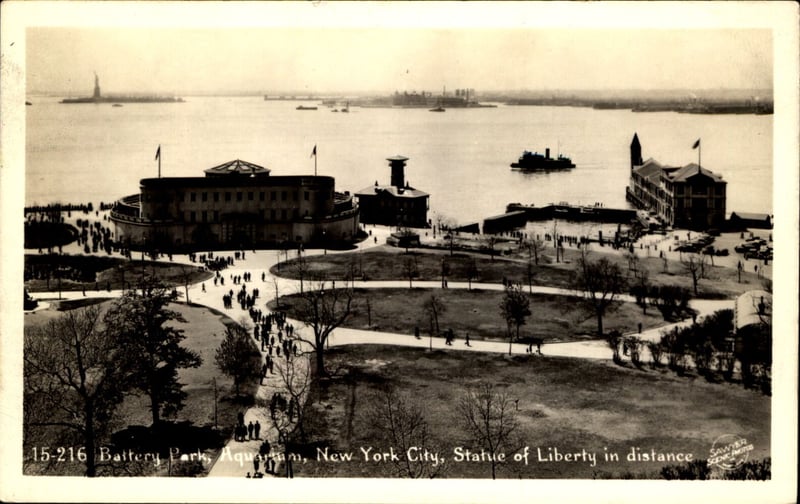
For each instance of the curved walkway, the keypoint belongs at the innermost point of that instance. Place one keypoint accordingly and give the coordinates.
(235, 459)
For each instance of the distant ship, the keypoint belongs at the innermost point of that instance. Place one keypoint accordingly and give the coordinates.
(98, 98)
(303, 107)
(533, 161)
(437, 109)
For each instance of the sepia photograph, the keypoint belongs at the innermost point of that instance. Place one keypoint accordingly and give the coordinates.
(399, 251)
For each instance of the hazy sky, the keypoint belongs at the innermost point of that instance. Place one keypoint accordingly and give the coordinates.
(360, 58)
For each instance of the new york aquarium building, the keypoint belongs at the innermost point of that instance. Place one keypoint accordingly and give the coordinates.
(236, 205)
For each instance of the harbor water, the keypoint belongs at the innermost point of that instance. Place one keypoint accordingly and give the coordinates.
(96, 152)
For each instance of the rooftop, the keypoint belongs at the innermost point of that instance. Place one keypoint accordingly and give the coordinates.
(406, 192)
(237, 167)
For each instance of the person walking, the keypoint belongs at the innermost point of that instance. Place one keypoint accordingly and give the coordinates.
(257, 429)
(250, 428)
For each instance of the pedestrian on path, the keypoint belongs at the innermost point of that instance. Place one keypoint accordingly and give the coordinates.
(466, 339)
(257, 429)
(250, 428)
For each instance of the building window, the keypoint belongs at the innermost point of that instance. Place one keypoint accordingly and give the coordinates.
(249, 195)
(227, 196)
(295, 195)
(305, 195)
(239, 196)
(204, 196)
(205, 215)
(273, 196)
(216, 215)
(261, 196)
(283, 195)
(216, 197)
(283, 214)
(261, 213)
(192, 197)
(192, 216)
(272, 214)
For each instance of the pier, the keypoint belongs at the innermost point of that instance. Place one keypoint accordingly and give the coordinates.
(573, 213)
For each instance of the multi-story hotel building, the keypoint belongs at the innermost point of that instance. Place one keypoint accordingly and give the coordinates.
(236, 205)
(680, 196)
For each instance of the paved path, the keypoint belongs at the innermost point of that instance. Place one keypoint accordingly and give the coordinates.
(236, 457)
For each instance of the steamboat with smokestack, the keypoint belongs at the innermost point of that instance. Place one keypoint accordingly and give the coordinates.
(533, 161)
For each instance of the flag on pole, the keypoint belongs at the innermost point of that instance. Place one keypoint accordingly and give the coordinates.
(314, 152)
(696, 144)
(158, 152)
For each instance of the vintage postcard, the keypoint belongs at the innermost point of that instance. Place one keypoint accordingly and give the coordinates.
(399, 252)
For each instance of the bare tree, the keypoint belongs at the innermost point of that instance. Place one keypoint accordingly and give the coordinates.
(555, 238)
(410, 269)
(72, 379)
(695, 266)
(515, 308)
(186, 275)
(445, 223)
(434, 307)
(401, 424)
(489, 242)
(323, 311)
(294, 373)
(488, 416)
(300, 269)
(535, 247)
(471, 271)
(600, 282)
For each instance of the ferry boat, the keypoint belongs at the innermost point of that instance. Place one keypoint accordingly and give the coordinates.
(303, 107)
(533, 161)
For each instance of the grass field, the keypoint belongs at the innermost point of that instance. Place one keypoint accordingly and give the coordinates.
(565, 404)
(554, 318)
(388, 263)
(90, 273)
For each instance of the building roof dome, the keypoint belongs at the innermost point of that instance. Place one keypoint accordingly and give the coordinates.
(237, 168)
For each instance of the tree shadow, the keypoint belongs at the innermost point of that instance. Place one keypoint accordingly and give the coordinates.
(166, 436)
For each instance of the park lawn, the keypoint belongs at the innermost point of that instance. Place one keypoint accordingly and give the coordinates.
(193, 426)
(389, 263)
(563, 403)
(107, 273)
(477, 312)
